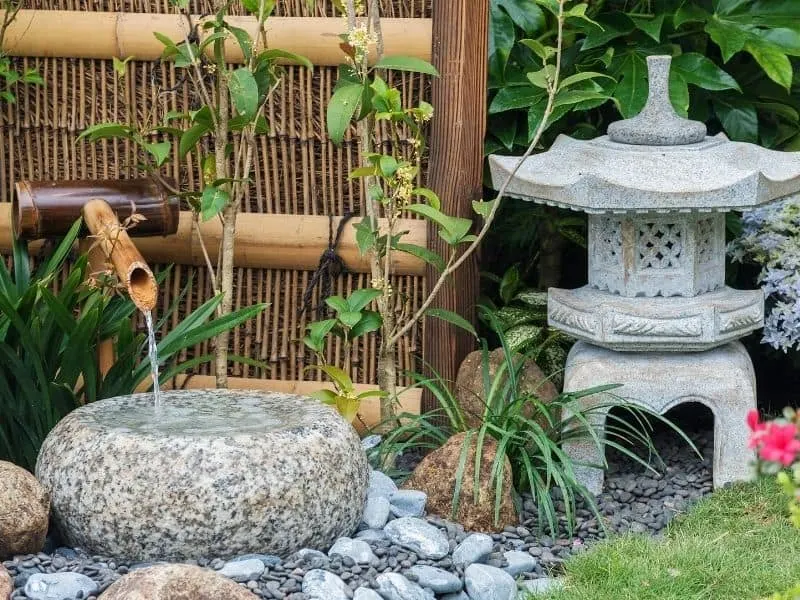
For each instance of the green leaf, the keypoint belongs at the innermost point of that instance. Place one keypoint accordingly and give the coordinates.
(359, 299)
(607, 27)
(455, 228)
(339, 377)
(650, 25)
(429, 195)
(728, 7)
(483, 208)
(452, 318)
(365, 237)
(244, 40)
(349, 318)
(190, 138)
(105, 131)
(679, 93)
(273, 55)
(539, 49)
(543, 78)
(341, 108)
(214, 199)
(702, 72)
(407, 63)
(774, 62)
(688, 12)
(370, 321)
(729, 37)
(244, 92)
(738, 118)
(631, 89)
(121, 66)
(159, 151)
(579, 77)
(422, 253)
(388, 165)
(502, 36)
(525, 14)
(317, 331)
(337, 303)
(571, 97)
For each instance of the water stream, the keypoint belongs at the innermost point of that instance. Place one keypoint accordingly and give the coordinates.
(152, 352)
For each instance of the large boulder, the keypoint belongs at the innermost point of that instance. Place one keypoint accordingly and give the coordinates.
(24, 512)
(6, 584)
(470, 392)
(436, 476)
(175, 582)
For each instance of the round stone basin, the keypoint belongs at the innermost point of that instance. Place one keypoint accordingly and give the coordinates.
(212, 473)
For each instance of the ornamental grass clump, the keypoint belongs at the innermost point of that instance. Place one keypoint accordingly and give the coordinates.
(529, 433)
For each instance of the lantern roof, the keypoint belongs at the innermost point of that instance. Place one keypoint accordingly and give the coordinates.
(654, 162)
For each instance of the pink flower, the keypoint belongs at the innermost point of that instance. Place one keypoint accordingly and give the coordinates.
(778, 443)
(757, 428)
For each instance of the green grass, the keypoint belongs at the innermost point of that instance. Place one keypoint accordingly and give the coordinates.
(737, 544)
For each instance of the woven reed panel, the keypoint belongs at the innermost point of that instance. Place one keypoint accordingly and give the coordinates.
(298, 171)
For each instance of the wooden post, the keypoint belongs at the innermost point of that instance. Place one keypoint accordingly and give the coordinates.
(460, 50)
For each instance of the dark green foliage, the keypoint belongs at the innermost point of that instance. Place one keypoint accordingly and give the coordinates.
(734, 67)
(49, 338)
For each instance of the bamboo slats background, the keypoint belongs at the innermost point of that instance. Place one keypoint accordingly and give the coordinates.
(298, 171)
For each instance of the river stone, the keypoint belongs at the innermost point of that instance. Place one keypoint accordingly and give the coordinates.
(436, 476)
(376, 511)
(322, 585)
(393, 586)
(469, 384)
(24, 511)
(175, 582)
(439, 580)
(475, 548)
(363, 593)
(6, 584)
(519, 562)
(408, 503)
(418, 536)
(59, 586)
(243, 570)
(371, 535)
(213, 473)
(358, 550)
(381, 484)
(484, 582)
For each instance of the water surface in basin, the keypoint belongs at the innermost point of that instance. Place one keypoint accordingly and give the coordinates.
(204, 413)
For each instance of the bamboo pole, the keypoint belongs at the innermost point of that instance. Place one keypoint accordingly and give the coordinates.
(97, 264)
(456, 165)
(103, 35)
(116, 244)
(263, 241)
(410, 399)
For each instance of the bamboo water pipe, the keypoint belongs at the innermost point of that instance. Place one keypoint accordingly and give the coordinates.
(49, 209)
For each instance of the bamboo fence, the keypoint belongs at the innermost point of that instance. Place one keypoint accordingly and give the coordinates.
(300, 179)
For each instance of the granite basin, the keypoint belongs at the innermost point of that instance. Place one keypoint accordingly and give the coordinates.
(210, 473)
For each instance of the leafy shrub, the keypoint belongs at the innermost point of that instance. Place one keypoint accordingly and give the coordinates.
(731, 68)
(529, 433)
(49, 337)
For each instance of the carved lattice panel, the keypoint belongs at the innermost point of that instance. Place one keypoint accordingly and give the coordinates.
(609, 242)
(706, 248)
(659, 245)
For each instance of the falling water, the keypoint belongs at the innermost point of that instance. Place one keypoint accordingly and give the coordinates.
(152, 352)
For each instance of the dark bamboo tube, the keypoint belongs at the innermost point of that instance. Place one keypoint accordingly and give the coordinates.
(48, 209)
(116, 244)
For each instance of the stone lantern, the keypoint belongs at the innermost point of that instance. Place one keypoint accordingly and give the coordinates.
(656, 315)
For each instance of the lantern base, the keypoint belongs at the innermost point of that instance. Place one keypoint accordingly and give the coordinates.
(721, 379)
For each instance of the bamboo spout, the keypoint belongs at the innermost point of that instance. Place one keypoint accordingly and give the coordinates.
(116, 244)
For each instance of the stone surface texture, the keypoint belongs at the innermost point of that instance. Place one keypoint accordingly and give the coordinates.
(175, 582)
(418, 536)
(59, 586)
(476, 547)
(436, 476)
(394, 586)
(322, 585)
(657, 124)
(484, 582)
(214, 473)
(721, 379)
(24, 511)
(663, 324)
(470, 391)
(6, 584)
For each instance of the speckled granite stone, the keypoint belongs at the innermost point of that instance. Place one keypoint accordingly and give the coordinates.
(215, 473)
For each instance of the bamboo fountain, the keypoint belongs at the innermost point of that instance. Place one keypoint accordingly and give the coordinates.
(212, 473)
